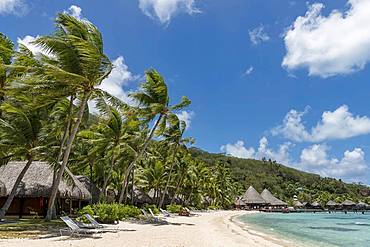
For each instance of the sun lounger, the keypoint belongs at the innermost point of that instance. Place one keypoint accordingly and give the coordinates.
(165, 213)
(150, 217)
(96, 224)
(73, 228)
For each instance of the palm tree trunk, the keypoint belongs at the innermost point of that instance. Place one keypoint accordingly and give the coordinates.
(66, 154)
(11, 196)
(177, 188)
(61, 148)
(138, 156)
(106, 178)
(169, 178)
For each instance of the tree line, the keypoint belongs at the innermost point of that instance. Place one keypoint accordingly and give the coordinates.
(45, 115)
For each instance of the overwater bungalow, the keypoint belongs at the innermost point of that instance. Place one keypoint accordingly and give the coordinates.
(297, 204)
(332, 205)
(272, 201)
(33, 192)
(252, 199)
(348, 205)
(362, 206)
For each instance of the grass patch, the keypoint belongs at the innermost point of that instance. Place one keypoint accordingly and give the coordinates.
(29, 228)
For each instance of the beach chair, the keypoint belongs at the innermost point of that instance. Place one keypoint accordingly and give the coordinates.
(97, 225)
(151, 217)
(73, 228)
(165, 213)
(190, 213)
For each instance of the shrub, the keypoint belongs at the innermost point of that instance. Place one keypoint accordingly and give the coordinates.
(152, 207)
(174, 208)
(211, 207)
(110, 213)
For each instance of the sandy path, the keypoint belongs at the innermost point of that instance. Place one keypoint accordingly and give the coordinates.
(214, 229)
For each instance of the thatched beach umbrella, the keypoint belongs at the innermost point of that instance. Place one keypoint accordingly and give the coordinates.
(37, 181)
(239, 202)
(252, 197)
(272, 200)
(315, 204)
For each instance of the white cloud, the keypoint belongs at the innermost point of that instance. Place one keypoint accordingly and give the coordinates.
(16, 7)
(118, 78)
(239, 150)
(164, 10)
(258, 35)
(339, 124)
(249, 70)
(330, 45)
(186, 116)
(36, 50)
(75, 11)
(351, 166)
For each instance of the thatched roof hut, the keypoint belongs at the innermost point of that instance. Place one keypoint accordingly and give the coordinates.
(331, 204)
(315, 204)
(297, 204)
(348, 203)
(239, 202)
(272, 200)
(362, 205)
(2, 189)
(251, 196)
(37, 181)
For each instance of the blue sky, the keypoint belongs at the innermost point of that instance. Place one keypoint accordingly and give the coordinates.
(286, 80)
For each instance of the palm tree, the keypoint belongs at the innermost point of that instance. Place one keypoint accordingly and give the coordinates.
(78, 63)
(153, 101)
(173, 139)
(19, 135)
(111, 138)
(6, 53)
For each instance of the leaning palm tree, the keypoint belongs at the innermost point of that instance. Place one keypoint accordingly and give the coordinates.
(173, 139)
(6, 53)
(19, 136)
(78, 62)
(153, 101)
(111, 138)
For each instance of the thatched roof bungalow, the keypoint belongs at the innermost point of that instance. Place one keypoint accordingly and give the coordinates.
(272, 200)
(36, 187)
(348, 204)
(2, 189)
(252, 198)
(362, 205)
(297, 204)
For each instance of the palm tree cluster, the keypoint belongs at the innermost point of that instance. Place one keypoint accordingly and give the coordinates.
(44, 115)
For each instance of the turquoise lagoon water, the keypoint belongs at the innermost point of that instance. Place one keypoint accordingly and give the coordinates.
(320, 229)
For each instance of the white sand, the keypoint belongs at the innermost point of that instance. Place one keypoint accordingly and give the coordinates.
(209, 229)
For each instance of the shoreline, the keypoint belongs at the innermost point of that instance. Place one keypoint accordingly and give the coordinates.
(215, 229)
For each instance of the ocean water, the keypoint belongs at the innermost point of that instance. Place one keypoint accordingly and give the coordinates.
(319, 229)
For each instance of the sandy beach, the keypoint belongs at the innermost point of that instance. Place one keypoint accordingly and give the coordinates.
(208, 229)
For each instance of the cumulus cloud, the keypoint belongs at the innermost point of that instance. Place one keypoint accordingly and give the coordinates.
(75, 11)
(329, 45)
(16, 7)
(338, 124)
(118, 78)
(258, 35)
(316, 159)
(239, 150)
(186, 116)
(164, 10)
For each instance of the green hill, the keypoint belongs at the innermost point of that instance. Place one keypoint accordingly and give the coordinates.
(285, 182)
